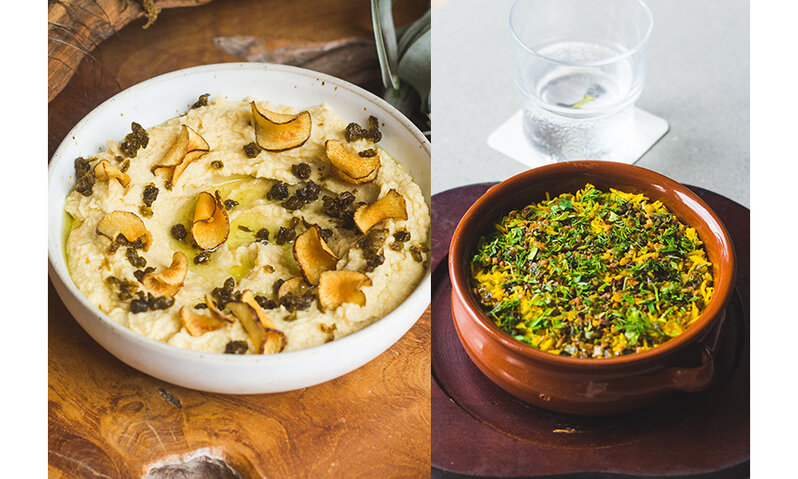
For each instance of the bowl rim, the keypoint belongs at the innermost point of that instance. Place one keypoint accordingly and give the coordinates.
(339, 346)
(461, 291)
(641, 45)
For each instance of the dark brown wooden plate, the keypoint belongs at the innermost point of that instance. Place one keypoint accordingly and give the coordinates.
(480, 430)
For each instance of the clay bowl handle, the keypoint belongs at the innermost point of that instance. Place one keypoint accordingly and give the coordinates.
(692, 379)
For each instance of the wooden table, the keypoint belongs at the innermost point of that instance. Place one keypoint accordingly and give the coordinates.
(111, 421)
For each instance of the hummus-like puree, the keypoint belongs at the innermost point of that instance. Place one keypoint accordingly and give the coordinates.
(254, 263)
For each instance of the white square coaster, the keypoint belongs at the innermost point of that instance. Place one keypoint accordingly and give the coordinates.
(509, 139)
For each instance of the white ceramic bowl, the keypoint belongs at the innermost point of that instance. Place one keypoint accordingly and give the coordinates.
(154, 101)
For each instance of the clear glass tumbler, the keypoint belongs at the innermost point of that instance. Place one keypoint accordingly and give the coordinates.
(580, 65)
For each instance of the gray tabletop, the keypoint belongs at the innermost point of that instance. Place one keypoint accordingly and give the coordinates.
(697, 80)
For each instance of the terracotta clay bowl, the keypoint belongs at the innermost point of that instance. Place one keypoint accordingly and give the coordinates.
(591, 386)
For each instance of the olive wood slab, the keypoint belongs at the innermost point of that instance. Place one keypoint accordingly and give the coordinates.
(478, 430)
(109, 420)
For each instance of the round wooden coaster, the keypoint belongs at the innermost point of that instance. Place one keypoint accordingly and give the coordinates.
(480, 430)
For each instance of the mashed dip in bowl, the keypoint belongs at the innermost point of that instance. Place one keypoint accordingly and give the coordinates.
(264, 225)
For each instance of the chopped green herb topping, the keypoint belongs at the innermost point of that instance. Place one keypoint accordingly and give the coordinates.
(592, 275)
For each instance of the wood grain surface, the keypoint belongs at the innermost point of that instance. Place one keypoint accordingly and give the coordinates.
(75, 27)
(108, 420)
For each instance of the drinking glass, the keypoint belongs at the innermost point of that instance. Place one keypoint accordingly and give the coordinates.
(580, 65)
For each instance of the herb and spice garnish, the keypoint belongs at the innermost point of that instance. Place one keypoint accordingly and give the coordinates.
(243, 199)
(201, 101)
(593, 274)
(84, 175)
(252, 150)
(138, 138)
(356, 132)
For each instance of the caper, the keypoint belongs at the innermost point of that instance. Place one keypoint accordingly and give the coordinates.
(284, 235)
(179, 232)
(293, 203)
(402, 236)
(251, 150)
(236, 347)
(262, 235)
(265, 302)
(301, 171)
(278, 192)
(149, 194)
(201, 101)
(138, 306)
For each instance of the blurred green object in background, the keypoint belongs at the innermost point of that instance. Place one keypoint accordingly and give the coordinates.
(404, 58)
